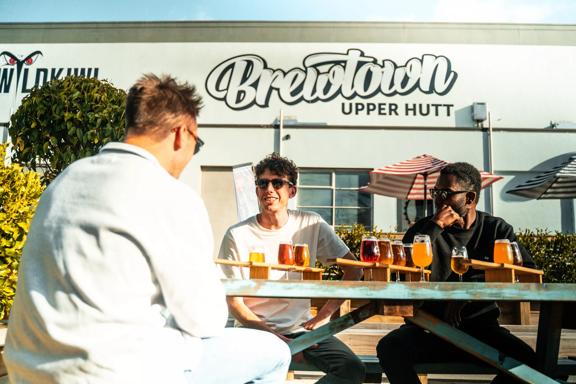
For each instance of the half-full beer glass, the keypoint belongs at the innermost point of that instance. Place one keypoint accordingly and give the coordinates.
(459, 261)
(422, 253)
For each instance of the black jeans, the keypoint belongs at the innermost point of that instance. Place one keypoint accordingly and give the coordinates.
(334, 358)
(399, 350)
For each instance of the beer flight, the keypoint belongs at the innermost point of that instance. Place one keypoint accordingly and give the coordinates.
(419, 254)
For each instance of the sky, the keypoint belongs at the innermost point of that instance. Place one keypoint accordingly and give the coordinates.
(491, 11)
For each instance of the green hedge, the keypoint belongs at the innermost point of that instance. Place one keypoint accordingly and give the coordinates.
(19, 193)
(553, 253)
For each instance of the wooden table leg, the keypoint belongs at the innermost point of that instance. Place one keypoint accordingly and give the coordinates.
(548, 339)
(333, 327)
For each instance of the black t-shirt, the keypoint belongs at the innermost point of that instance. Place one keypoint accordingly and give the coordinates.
(479, 242)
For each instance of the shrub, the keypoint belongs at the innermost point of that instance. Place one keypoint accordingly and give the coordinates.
(19, 193)
(65, 120)
(555, 254)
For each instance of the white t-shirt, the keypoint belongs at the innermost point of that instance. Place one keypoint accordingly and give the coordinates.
(283, 315)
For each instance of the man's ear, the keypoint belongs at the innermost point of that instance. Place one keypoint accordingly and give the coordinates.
(292, 192)
(470, 197)
(177, 143)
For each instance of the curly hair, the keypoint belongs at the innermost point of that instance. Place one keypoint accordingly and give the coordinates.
(278, 165)
(466, 174)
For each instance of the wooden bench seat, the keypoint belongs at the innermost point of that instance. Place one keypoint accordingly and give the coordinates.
(566, 366)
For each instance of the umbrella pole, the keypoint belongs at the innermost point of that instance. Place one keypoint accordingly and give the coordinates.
(425, 195)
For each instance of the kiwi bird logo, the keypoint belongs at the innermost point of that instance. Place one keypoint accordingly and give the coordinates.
(11, 60)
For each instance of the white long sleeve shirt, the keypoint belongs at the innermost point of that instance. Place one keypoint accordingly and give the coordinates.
(117, 282)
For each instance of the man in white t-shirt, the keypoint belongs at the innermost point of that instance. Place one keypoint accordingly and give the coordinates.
(276, 179)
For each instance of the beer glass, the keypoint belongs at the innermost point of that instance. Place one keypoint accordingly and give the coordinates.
(285, 254)
(256, 254)
(459, 261)
(503, 252)
(385, 246)
(369, 251)
(408, 253)
(302, 255)
(516, 254)
(422, 253)
(399, 256)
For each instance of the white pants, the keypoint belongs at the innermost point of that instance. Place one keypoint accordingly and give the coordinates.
(241, 356)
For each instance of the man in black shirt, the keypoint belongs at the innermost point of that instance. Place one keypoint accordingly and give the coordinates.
(455, 223)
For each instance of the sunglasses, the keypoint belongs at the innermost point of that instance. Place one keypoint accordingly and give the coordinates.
(443, 194)
(276, 183)
(199, 142)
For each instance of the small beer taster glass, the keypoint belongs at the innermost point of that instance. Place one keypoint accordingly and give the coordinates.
(459, 261)
(503, 252)
(422, 253)
(399, 256)
(369, 252)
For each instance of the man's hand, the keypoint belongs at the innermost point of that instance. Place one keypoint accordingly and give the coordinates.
(317, 321)
(447, 217)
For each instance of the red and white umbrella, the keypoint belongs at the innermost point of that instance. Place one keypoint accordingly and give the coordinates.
(411, 179)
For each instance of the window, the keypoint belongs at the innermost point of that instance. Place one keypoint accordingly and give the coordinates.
(334, 195)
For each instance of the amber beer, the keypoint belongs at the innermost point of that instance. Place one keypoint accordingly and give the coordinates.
(408, 253)
(302, 255)
(459, 265)
(503, 252)
(422, 254)
(398, 252)
(386, 256)
(285, 254)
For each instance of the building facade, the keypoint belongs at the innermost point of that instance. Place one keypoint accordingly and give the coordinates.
(352, 97)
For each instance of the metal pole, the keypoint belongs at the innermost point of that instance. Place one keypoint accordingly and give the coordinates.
(490, 208)
(281, 132)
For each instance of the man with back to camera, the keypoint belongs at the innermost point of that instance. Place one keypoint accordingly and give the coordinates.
(276, 180)
(455, 223)
(117, 282)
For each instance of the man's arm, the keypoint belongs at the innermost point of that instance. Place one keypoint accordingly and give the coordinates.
(249, 319)
(331, 306)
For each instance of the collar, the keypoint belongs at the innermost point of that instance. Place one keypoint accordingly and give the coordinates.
(129, 149)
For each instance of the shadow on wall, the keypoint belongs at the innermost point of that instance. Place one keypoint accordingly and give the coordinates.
(568, 224)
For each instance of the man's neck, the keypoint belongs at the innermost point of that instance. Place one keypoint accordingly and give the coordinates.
(157, 149)
(273, 220)
(470, 218)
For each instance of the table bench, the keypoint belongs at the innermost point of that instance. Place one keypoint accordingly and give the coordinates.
(566, 366)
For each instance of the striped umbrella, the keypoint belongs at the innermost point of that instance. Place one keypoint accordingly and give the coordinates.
(411, 179)
(557, 183)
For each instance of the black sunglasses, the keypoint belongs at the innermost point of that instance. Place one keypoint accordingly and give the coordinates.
(276, 183)
(443, 194)
(199, 144)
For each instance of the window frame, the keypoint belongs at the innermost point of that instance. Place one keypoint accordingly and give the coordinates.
(333, 188)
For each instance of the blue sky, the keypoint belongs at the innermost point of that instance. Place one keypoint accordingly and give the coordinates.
(514, 11)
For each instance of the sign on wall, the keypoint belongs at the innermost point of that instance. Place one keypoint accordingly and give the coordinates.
(424, 85)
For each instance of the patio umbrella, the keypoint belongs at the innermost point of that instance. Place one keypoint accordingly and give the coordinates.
(557, 183)
(411, 179)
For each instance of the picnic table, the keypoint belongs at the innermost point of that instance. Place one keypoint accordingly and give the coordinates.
(552, 298)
